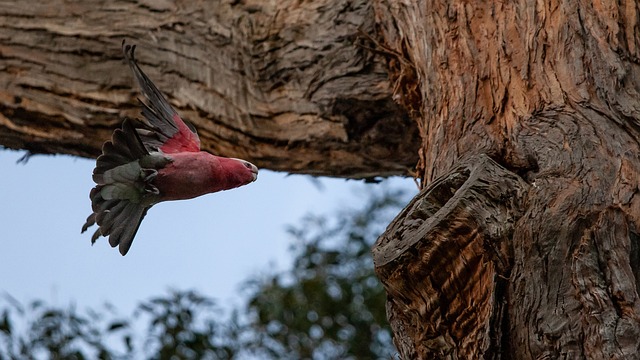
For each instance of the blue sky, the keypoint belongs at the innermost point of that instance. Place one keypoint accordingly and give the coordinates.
(210, 244)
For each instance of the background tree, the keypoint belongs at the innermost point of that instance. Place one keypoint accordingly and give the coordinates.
(329, 305)
(523, 243)
(38, 330)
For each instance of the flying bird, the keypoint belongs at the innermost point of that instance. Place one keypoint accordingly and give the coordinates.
(153, 160)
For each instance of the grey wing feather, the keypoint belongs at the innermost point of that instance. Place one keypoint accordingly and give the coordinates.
(159, 113)
(125, 146)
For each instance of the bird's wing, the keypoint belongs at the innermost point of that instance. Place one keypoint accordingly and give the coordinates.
(165, 130)
(124, 190)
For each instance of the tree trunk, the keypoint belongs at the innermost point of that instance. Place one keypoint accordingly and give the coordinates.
(291, 86)
(524, 241)
(534, 254)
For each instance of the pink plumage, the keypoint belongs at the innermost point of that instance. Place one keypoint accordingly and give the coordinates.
(190, 175)
(154, 160)
(183, 140)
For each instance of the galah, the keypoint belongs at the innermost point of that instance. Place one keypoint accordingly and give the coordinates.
(154, 160)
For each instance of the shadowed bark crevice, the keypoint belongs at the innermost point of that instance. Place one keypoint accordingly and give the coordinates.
(634, 257)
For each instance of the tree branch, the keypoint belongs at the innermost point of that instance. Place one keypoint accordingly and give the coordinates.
(288, 85)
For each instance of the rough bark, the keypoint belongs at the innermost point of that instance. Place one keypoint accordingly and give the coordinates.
(290, 85)
(551, 91)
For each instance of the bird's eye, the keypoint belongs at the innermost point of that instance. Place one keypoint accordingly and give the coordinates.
(247, 165)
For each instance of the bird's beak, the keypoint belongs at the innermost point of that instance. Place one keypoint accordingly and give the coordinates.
(254, 171)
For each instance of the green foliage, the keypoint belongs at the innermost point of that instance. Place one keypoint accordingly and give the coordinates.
(57, 333)
(329, 305)
(185, 325)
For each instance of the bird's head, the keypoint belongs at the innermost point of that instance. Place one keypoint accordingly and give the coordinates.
(239, 172)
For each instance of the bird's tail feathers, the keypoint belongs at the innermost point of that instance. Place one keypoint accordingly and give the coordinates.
(124, 192)
(117, 218)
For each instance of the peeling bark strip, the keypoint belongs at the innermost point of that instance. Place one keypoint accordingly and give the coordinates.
(287, 84)
(445, 260)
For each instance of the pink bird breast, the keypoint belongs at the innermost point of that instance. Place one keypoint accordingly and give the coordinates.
(191, 174)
